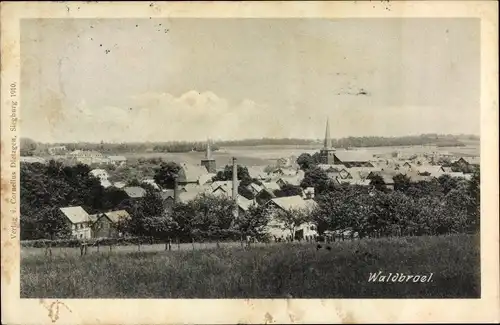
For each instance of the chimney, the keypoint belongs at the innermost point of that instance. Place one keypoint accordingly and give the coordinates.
(176, 190)
(235, 186)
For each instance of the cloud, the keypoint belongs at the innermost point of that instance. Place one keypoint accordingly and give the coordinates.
(198, 115)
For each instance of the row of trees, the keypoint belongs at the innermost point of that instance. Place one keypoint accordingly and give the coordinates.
(207, 217)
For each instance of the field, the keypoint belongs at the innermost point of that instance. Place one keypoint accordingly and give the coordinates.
(266, 155)
(262, 271)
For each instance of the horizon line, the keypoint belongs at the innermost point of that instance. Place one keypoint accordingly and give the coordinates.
(212, 140)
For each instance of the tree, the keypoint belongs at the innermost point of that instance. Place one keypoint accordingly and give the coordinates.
(212, 215)
(291, 219)
(227, 175)
(315, 177)
(378, 183)
(253, 222)
(51, 224)
(401, 183)
(288, 190)
(305, 161)
(165, 175)
(447, 183)
(474, 192)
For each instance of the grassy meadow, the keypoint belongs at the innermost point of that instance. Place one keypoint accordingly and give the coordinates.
(262, 271)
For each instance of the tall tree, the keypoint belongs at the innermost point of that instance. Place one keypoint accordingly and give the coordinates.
(305, 161)
(165, 175)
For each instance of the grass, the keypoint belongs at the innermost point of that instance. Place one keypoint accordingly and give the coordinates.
(266, 271)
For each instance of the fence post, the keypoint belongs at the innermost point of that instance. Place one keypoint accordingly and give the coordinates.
(169, 244)
(178, 244)
(139, 244)
(192, 242)
(97, 246)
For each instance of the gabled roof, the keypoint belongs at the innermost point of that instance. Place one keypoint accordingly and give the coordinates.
(191, 173)
(271, 185)
(75, 214)
(206, 178)
(135, 191)
(244, 203)
(119, 184)
(473, 160)
(256, 187)
(293, 202)
(94, 217)
(292, 180)
(116, 216)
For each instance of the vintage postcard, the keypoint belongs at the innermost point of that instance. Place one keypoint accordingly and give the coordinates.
(249, 162)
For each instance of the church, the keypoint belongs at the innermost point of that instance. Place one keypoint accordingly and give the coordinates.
(328, 155)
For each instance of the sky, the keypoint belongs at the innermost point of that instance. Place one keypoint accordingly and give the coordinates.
(160, 79)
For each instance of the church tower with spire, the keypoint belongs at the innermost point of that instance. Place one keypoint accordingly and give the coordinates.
(327, 153)
(208, 161)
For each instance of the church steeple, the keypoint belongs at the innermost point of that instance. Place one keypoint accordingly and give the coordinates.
(327, 154)
(328, 141)
(208, 161)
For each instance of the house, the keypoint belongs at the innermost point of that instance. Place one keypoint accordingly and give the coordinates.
(272, 186)
(264, 196)
(206, 178)
(222, 188)
(331, 168)
(106, 224)
(32, 160)
(276, 228)
(87, 157)
(257, 172)
(117, 160)
(361, 172)
(57, 150)
(465, 164)
(119, 185)
(99, 173)
(254, 188)
(387, 177)
(135, 192)
(79, 221)
(294, 179)
(244, 204)
(102, 175)
(191, 174)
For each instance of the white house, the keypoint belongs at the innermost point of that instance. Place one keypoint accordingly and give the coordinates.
(276, 228)
(79, 221)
